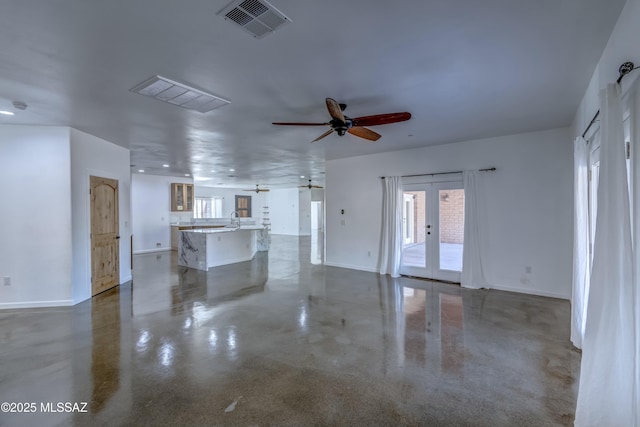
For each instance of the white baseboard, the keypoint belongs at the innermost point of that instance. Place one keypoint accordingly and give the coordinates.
(351, 267)
(35, 304)
(530, 291)
(527, 291)
(151, 251)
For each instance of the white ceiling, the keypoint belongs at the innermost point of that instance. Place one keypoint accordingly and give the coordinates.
(465, 69)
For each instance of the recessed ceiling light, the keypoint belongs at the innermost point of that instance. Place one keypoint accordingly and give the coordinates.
(165, 166)
(232, 170)
(212, 171)
(301, 176)
(6, 113)
(201, 178)
(141, 170)
(186, 174)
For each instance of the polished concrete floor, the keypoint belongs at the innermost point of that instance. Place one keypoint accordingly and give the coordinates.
(281, 341)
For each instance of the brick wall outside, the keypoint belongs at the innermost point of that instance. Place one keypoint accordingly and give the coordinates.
(452, 216)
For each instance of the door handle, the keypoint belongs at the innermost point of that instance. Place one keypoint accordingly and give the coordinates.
(117, 237)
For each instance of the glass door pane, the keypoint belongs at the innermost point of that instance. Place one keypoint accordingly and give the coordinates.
(451, 236)
(413, 229)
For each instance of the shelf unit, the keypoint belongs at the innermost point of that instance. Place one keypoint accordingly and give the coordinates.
(266, 221)
(181, 197)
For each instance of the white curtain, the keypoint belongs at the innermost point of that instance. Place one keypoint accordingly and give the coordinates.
(391, 244)
(580, 291)
(472, 270)
(607, 377)
(635, 226)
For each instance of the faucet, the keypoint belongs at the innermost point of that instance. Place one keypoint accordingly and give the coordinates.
(237, 216)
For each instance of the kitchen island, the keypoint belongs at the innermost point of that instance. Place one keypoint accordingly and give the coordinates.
(209, 247)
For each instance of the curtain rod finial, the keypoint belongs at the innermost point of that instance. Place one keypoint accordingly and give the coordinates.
(625, 69)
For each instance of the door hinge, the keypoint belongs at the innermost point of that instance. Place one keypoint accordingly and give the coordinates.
(90, 236)
(589, 175)
(628, 149)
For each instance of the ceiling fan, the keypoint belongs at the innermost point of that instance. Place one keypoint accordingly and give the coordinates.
(309, 186)
(356, 126)
(258, 190)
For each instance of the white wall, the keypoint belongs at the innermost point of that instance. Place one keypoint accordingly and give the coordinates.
(304, 212)
(228, 196)
(151, 211)
(621, 47)
(529, 201)
(284, 208)
(91, 155)
(35, 216)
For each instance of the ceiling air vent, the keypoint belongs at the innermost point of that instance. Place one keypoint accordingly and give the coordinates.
(259, 18)
(163, 89)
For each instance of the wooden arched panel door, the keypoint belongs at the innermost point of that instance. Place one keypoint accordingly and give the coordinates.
(105, 238)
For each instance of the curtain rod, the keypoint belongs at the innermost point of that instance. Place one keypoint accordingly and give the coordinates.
(624, 69)
(443, 173)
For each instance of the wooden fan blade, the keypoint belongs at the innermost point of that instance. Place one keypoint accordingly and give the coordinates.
(364, 133)
(299, 124)
(381, 119)
(334, 109)
(327, 133)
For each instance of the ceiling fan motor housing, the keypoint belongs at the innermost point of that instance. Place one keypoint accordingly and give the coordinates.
(341, 127)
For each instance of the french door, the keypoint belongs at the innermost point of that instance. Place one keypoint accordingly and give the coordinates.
(433, 230)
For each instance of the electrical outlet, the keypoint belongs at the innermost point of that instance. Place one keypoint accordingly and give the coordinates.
(158, 245)
(7, 281)
(369, 254)
(527, 269)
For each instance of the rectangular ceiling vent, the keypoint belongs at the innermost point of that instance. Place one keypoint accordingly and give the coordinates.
(257, 17)
(163, 89)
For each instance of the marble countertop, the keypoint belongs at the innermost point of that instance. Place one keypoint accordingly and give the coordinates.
(212, 221)
(223, 230)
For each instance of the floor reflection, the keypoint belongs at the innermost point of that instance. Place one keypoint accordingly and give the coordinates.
(415, 324)
(317, 247)
(426, 323)
(190, 289)
(105, 348)
(451, 333)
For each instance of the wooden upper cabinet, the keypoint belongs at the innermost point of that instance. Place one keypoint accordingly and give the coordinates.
(181, 197)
